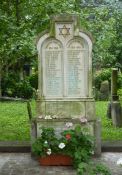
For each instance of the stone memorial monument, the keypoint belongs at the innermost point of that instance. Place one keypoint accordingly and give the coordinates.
(65, 77)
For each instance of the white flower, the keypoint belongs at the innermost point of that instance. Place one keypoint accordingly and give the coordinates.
(48, 117)
(83, 120)
(61, 145)
(119, 162)
(49, 151)
(69, 124)
(54, 116)
(40, 116)
(46, 142)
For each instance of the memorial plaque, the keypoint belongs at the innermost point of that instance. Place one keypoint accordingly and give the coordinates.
(53, 70)
(75, 69)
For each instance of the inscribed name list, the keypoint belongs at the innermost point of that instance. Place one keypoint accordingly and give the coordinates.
(53, 67)
(75, 65)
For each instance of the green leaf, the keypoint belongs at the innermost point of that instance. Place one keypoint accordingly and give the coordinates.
(78, 128)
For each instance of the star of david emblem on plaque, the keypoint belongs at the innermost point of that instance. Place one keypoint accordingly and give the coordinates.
(64, 31)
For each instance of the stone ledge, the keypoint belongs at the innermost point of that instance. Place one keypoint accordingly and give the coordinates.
(12, 99)
(112, 146)
(23, 147)
(15, 146)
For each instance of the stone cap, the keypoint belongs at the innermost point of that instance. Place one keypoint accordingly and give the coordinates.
(73, 120)
(65, 18)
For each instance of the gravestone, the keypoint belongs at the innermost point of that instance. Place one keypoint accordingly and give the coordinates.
(114, 107)
(65, 77)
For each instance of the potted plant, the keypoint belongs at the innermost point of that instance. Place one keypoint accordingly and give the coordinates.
(71, 147)
(74, 146)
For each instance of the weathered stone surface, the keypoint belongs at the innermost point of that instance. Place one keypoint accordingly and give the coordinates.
(65, 74)
(23, 164)
(60, 125)
(114, 88)
(68, 108)
(65, 64)
(116, 113)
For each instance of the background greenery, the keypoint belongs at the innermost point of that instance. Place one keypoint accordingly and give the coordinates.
(20, 23)
(22, 20)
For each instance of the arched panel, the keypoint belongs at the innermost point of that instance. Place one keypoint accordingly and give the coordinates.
(75, 62)
(52, 68)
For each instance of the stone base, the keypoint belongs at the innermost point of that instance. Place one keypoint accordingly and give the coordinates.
(67, 108)
(116, 113)
(60, 124)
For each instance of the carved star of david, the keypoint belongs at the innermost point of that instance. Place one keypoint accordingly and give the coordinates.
(64, 31)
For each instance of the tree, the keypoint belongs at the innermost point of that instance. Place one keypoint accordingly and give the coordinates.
(22, 20)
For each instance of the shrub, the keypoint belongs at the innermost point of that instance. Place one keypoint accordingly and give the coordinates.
(24, 89)
(33, 79)
(120, 94)
(9, 84)
(102, 75)
(76, 143)
(120, 80)
(13, 87)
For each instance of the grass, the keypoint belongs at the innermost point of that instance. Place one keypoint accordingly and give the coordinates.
(14, 122)
(108, 131)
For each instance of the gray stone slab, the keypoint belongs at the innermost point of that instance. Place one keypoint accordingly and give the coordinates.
(110, 160)
(23, 164)
(14, 146)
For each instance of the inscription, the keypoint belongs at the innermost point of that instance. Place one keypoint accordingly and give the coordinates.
(53, 70)
(75, 64)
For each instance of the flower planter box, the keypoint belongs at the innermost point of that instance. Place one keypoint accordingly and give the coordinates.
(56, 160)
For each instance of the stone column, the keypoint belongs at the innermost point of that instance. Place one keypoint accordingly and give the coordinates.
(116, 110)
(97, 134)
(33, 133)
(116, 113)
(114, 76)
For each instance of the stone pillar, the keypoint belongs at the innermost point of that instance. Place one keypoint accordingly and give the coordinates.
(33, 133)
(114, 76)
(116, 110)
(116, 113)
(97, 134)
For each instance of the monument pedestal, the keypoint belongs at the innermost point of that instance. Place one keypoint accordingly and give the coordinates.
(67, 108)
(93, 126)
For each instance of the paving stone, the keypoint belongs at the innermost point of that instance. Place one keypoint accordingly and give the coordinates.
(23, 164)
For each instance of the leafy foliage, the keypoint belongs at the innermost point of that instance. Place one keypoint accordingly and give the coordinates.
(33, 79)
(102, 75)
(75, 143)
(24, 89)
(109, 132)
(12, 87)
(21, 21)
(72, 143)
